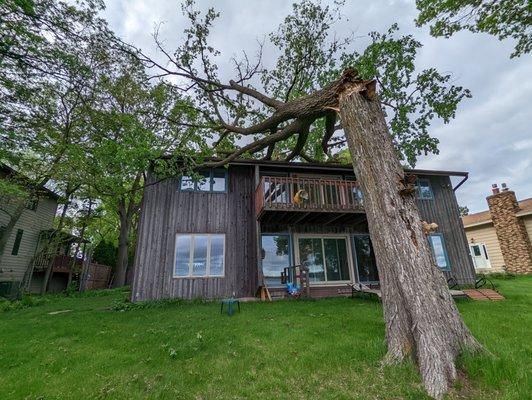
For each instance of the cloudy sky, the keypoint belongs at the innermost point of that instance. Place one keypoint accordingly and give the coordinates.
(491, 136)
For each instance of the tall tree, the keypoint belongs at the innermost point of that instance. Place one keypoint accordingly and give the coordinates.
(132, 124)
(501, 18)
(46, 77)
(307, 93)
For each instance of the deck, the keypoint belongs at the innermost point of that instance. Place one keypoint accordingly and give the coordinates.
(295, 200)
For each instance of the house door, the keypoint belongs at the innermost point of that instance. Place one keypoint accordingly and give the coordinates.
(326, 257)
(275, 257)
(479, 254)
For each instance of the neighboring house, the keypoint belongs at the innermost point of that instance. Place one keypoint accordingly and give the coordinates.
(238, 229)
(500, 238)
(38, 216)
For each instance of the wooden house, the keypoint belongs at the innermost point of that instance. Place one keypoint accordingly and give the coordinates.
(238, 228)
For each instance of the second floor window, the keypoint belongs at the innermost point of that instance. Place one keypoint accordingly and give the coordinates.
(213, 180)
(423, 189)
(31, 203)
(16, 244)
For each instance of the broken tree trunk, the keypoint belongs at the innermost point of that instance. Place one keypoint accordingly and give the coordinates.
(422, 321)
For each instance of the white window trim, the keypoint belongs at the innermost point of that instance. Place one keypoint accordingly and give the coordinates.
(191, 256)
(326, 282)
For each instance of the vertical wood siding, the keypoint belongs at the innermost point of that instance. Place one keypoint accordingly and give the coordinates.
(443, 210)
(167, 211)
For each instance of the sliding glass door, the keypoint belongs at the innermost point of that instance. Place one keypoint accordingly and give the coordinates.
(326, 258)
(275, 258)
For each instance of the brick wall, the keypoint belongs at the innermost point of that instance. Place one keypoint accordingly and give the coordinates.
(511, 232)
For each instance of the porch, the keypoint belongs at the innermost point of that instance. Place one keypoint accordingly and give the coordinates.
(327, 263)
(308, 200)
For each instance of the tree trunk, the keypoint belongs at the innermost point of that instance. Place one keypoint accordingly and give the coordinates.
(422, 321)
(80, 240)
(123, 245)
(52, 242)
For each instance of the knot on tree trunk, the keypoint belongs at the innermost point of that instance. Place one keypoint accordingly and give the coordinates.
(407, 184)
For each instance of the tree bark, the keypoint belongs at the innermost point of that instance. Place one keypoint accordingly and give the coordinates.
(127, 208)
(123, 244)
(422, 321)
(52, 242)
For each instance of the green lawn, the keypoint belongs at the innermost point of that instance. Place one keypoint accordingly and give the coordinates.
(327, 349)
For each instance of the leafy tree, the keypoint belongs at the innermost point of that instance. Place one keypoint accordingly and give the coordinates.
(46, 78)
(106, 253)
(293, 108)
(133, 126)
(503, 19)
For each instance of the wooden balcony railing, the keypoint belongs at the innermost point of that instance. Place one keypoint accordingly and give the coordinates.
(307, 194)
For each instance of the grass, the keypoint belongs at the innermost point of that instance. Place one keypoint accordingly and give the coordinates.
(327, 349)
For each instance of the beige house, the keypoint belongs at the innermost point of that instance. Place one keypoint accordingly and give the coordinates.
(37, 218)
(500, 238)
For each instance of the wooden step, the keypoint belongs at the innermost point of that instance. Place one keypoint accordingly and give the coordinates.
(483, 294)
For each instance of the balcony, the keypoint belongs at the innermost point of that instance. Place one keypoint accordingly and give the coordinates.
(291, 200)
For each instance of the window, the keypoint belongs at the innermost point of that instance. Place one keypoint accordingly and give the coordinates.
(437, 244)
(2, 230)
(31, 203)
(423, 189)
(16, 245)
(199, 255)
(213, 180)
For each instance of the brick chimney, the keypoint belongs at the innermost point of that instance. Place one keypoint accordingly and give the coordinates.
(511, 231)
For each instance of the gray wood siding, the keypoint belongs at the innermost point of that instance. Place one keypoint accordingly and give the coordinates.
(32, 222)
(167, 211)
(443, 210)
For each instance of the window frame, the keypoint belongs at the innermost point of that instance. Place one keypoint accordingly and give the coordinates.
(211, 182)
(191, 256)
(418, 189)
(290, 251)
(445, 252)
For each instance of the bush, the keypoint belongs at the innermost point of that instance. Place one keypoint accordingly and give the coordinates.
(25, 302)
(128, 305)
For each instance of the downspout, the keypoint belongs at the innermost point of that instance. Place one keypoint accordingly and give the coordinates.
(461, 182)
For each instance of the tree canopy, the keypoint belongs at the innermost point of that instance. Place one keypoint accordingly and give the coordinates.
(501, 18)
(260, 113)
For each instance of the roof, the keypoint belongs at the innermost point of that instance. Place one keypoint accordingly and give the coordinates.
(10, 171)
(334, 166)
(484, 217)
